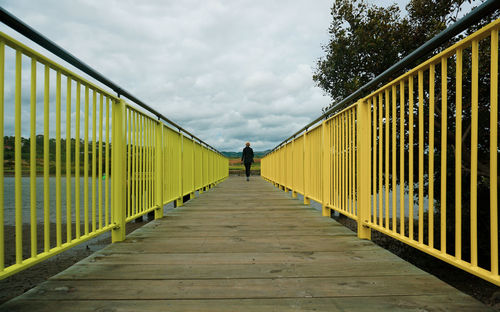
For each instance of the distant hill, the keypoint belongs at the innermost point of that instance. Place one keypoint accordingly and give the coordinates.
(257, 154)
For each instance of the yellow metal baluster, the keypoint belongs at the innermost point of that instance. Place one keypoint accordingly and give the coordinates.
(68, 159)
(410, 157)
(458, 156)
(380, 159)
(77, 162)
(46, 190)
(2, 99)
(444, 139)
(393, 135)
(386, 177)
(58, 161)
(420, 156)
(33, 159)
(106, 169)
(17, 164)
(493, 152)
(86, 164)
(432, 70)
(129, 160)
(374, 159)
(94, 152)
(136, 161)
(473, 145)
(402, 158)
(100, 147)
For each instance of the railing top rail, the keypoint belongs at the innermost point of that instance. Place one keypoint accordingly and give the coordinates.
(16, 24)
(453, 30)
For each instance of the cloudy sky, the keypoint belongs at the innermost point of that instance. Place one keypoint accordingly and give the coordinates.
(228, 71)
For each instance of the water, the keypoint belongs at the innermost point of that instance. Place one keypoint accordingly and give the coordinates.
(9, 199)
(406, 198)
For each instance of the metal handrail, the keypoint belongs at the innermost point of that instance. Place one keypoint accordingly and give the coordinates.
(453, 30)
(16, 24)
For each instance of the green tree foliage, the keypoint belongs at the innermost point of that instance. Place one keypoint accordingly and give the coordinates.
(366, 39)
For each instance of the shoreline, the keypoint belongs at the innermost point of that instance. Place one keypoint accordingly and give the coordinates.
(25, 280)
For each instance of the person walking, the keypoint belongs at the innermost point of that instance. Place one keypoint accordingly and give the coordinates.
(247, 159)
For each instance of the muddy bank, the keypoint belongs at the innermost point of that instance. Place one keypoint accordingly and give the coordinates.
(474, 286)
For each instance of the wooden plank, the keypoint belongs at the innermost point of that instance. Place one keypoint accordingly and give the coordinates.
(92, 271)
(240, 244)
(364, 256)
(239, 288)
(361, 304)
(243, 247)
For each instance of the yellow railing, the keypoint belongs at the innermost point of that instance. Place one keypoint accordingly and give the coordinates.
(376, 160)
(103, 162)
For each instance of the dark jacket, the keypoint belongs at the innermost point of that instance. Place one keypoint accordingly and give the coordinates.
(247, 155)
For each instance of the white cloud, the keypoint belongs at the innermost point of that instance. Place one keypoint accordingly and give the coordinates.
(229, 71)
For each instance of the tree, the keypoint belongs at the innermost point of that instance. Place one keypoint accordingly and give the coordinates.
(367, 39)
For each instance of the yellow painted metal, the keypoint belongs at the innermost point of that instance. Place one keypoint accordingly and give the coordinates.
(68, 160)
(33, 221)
(373, 101)
(99, 175)
(380, 159)
(94, 149)
(421, 157)
(386, 165)
(393, 157)
(46, 193)
(410, 157)
(106, 169)
(86, 164)
(363, 145)
(473, 156)
(159, 170)
(494, 153)
(58, 161)
(458, 156)
(2, 106)
(444, 140)
(130, 130)
(118, 170)
(17, 165)
(432, 70)
(402, 157)
(77, 162)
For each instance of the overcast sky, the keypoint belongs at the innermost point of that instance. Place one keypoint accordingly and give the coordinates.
(229, 71)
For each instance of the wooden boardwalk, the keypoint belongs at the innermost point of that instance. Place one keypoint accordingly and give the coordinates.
(243, 246)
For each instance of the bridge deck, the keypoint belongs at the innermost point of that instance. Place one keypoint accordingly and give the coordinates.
(243, 246)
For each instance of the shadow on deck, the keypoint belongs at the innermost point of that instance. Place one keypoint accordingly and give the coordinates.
(243, 246)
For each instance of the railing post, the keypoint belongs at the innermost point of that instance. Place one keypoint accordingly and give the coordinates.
(294, 187)
(325, 169)
(304, 163)
(180, 201)
(118, 170)
(364, 177)
(159, 171)
(193, 166)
